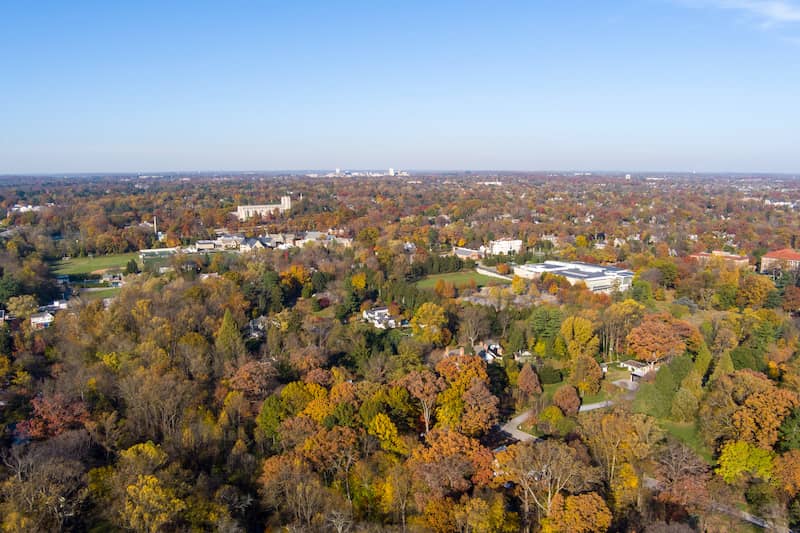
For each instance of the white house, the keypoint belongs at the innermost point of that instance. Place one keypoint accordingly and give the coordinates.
(253, 244)
(42, 320)
(380, 318)
(638, 369)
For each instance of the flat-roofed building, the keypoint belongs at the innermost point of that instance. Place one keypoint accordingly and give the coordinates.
(597, 278)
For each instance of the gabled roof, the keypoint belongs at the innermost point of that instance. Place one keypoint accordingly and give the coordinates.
(787, 254)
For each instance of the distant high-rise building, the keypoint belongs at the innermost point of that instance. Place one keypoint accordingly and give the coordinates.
(627, 176)
(338, 171)
(391, 172)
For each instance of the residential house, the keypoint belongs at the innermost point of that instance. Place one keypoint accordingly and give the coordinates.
(638, 369)
(229, 242)
(380, 318)
(42, 320)
(491, 352)
(253, 244)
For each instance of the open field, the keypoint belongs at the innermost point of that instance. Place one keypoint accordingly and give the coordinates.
(100, 293)
(81, 266)
(459, 279)
(689, 435)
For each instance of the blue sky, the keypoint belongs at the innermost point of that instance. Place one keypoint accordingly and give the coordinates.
(705, 85)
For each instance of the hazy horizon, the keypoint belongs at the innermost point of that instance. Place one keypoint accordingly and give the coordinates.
(706, 86)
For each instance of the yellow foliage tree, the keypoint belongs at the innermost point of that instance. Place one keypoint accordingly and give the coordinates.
(386, 432)
(149, 506)
(584, 513)
(579, 337)
(429, 323)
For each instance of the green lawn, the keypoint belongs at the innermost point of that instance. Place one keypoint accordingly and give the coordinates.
(689, 435)
(81, 266)
(459, 279)
(102, 293)
(595, 398)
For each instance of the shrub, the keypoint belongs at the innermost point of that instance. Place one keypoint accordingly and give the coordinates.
(549, 375)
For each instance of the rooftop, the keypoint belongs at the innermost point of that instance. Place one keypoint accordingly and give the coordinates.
(787, 254)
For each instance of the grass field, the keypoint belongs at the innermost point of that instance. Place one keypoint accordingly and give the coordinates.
(81, 266)
(459, 279)
(101, 293)
(689, 435)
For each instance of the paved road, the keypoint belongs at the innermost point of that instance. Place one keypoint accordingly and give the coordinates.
(592, 406)
(512, 428)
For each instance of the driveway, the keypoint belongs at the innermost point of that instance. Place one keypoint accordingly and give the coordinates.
(512, 428)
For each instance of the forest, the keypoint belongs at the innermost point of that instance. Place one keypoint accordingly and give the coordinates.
(246, 392)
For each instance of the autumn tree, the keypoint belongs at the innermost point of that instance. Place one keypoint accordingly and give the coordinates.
(567, 399)
(449, 463)
(683, 475)
(428, 323)
(746, 406)
(473, 324)
(753, 290)
(582, 513)
(465, 403)
(655, 339)
(334, 452)
(149, 506)
(586, 375)
(289, 486)
(528, 383)
(22, 307)
(760, 416)
(480, 408)
(52, 415)
(578, 337)
(425, 387)
(617, 322)
(44, 482)
(617, 437)
(739, 459)
(539, 471)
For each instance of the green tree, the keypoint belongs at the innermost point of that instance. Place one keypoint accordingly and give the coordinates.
(228, 343)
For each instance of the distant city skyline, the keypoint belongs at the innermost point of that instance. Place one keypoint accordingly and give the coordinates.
(629, 85)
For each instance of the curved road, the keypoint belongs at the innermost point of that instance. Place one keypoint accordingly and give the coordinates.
(512, 428)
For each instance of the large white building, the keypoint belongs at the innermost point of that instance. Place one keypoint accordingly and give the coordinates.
(504, 246)
(597, 278)
(248, 211)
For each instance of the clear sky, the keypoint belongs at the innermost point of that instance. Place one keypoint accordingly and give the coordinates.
(705, 85)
